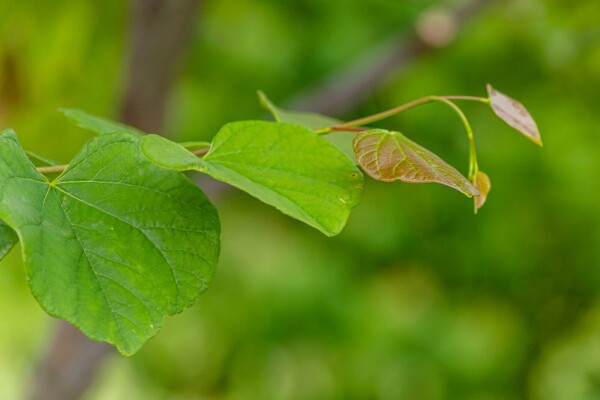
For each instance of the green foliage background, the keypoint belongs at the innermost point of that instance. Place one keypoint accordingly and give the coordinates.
(417, 298)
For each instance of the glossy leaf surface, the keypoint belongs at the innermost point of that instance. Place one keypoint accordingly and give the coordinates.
(284, 165)
(514, 114)
(114, 244)
(313, 121)
(389, 156)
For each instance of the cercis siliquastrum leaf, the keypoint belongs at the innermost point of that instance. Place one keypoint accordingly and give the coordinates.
(390, 156)
(514, 114)
(114, 244)
(283, 165)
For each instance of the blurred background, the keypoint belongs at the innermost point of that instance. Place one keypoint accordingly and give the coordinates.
(417, 298)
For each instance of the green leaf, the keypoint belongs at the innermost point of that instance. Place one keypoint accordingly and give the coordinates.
(313, 121)
(40, 161)
(389, 156)
(514, 114)
(343, 141)
(97, 124)
(284, 165)
(310, 120)
(8, 239)
(114, 244)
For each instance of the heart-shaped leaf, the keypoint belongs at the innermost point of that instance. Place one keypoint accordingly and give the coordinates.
(284, 165)
(97, 124)
(115, 243)
(389, 156)
(483, 184)
(514, 114)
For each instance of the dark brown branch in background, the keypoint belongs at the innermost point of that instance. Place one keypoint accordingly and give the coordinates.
(159, 31)
(345, 89)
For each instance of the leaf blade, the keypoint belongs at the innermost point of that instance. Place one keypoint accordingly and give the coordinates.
(120, 292)
(313, 121)
(8, 239)
(389, 156)
(514, 114)
(97, 124)
(309, 120)
(286, 166)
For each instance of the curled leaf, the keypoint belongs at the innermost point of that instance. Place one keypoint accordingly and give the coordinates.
(389, 156)
(483, 184)
(514, 114)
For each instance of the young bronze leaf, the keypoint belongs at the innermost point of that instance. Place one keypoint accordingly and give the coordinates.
(483, 184)
(114, 244)
(390, 156)
(283, 165)
(514, 114)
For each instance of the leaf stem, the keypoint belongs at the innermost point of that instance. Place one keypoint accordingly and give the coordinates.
(194, 145)
(347, 129)
(201, 152)
(355, 125)
(51, 169)
(397, 110)
(473, 165)
(483, 100)
(377, 117)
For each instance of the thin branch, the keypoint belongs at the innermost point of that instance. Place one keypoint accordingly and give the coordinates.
(484, 100)
(51, 169)
(473, 165)
(352, 126)
(200, 152)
